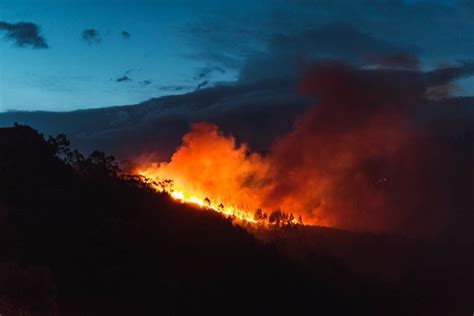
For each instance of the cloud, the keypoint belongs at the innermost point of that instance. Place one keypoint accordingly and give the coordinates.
(202, 84)
(24, 34)
(285, 32)
(146, 82)
(286, 52)
(124, 77)
(220, 42)
(91, 36)
(207, 71)
(405, 23)
(173, 88)
(401, 60)
(125, 35)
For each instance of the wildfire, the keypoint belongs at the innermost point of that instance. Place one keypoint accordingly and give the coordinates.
(257, 217)
(211, 171)
(356, 160)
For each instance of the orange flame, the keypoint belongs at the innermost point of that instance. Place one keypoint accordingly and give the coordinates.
(210, 170)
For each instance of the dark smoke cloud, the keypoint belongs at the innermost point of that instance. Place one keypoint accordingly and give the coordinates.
(24, 34)
(91, 36)
(362, 157)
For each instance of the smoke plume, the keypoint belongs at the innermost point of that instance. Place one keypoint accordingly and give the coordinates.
(360, 158)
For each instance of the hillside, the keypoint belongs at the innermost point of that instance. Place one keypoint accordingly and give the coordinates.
(78, 239)
(84, 241)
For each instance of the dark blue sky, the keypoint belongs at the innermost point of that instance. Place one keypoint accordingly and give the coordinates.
(82, 54)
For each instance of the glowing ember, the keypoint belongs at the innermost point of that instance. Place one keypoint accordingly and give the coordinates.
(230, 211)
(205, 203)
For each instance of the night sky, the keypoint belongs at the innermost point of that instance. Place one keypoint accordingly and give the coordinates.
(67, 55)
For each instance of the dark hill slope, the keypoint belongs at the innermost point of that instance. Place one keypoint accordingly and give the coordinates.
(77, 239)
(84, 241)
(427, 277)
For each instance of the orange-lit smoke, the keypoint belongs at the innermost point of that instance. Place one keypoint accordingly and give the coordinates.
(210, 168)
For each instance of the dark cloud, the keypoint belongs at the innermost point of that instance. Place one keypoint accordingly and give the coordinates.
(219, 42)
(402, 60)
(224, 58)
(146, 82)
(24, 34)
(207, 71)
(287, 32)
(406, 23)
(125, 77)
(125, 35)
(202, 84)
(338, 40)
(334, 41)
(176, 88)
(205, 74)
(447, 74)
(254, 113)
(91, 36)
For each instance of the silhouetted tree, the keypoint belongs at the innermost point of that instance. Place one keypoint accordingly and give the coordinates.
(258, 214)
(98, 164)
(275, 217)
(300, 220)
(165, 185)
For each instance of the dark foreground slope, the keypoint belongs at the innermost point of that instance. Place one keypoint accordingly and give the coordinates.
(425, 277)
(77, 239)
(83, 241)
